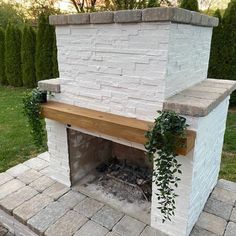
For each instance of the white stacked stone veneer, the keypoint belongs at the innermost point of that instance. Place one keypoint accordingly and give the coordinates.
(129, 69)
(130, 63)
(58, 150)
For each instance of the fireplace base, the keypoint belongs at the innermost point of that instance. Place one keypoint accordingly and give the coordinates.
(90, 186)
(200, 169)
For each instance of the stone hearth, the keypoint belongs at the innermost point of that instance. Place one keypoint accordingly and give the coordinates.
(90, 155)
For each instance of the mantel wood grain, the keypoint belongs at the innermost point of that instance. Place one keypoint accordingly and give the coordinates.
(130, 129)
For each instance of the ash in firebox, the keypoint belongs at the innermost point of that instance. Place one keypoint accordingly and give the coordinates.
(125, 181)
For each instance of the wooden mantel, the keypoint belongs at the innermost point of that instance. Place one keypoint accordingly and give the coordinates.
(130, 129)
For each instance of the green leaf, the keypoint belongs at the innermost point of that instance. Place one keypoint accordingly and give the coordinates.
(162, 141)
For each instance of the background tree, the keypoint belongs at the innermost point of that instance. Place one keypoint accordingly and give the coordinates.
(83, 5)
(93, 5)
(33, 9)
(11, 13)
(210, 6)
(191, 5)
(126, 4)
(44, 49)
(28, 57)
(3, 80)
(153, 3)
(13, 55)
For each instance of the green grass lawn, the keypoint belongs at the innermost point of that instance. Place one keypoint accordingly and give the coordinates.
(228, 164)
(16, 144)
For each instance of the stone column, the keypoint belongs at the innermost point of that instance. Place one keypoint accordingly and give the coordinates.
(200, 170)
(59, 152)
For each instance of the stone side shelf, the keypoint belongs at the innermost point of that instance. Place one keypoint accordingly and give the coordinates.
(50, 85)
(130, 16)
(199, 100)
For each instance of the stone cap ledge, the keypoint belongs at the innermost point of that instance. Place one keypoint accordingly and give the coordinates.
(199, 100)
(158, 14)
(50, 85)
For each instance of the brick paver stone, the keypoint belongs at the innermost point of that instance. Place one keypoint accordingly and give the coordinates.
(70, 199)
(228, 185)
(45, 156)
(3, 230)
(218, 208)
(211, 223)
(67, 225)
(17, 198)
(22, 230)
(129, 226)
(10, 187)
(88, 207)
(42, 183)
(36, 163)
(46, 171)
(29, 176)
(4, 177)
(113, 234)
(197, 231)
(224, 195)
(31, 207)
(17, 170)
(46, 217)
(233, 215)
(231, 229)
(107, 217)
(91, 229)
(56, 190)
(149, 231)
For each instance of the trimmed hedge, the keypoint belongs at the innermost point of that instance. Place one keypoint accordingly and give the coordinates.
(223, 50)
(13, 56)
(153, 3)
(229, 45)
(39, 47)
(191, 5)
(55, 71)
(214, 70)
(3, 80)
(28, 57)
(46, 65)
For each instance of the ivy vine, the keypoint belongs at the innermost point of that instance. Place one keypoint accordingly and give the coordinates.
(31, 108)
(163, 139)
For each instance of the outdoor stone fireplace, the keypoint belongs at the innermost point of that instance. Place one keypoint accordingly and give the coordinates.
(116, 70)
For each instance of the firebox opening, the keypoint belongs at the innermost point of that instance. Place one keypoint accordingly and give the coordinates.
(112, 173)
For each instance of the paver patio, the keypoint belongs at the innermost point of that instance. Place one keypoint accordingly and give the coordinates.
(33, 204)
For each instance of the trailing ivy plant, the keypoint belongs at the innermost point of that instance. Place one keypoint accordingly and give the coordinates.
(163, 140)
(31, 107)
